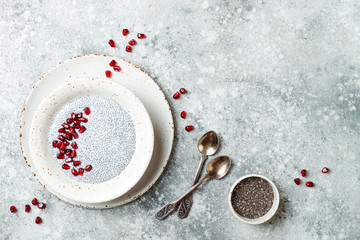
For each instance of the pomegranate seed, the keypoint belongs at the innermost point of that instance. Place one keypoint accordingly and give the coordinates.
(183, 114)
(54, 143)
(69, 120)
(87, 110)
(303, 173)
(72, 129)
(79, 115)
(176, 95)
(66, 143)
(63, 146)
(27, 208)
(82, 119)
(68, 153)
(73, 154)
(58, 145)
(42, 205)
(297, 181)
(81, 171)
(82, 129)
(68, 136)
(65, 166)
(38, 220)
(61, 130)
(183, 90)
(68, 160)
(111, 43)
(325, 170)
(74, 172)
(77, 122)
(128, 48)
(74, 145)
(62, 152)
(65, 125)
(117, 68)
(77, 163)
(189, 128)
(132, 42)
(108, 74)
(13, 209)
(125, 32)
(141, 35)
(76, 136)
(60, 156)
(77, 126)
(112, 63)
(73, 115)
(309, 184)
(88, 168)
(34, 201)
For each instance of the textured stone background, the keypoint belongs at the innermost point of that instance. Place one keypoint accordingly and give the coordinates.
(278, 80)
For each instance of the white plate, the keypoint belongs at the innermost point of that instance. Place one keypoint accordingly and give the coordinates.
(70, 187)
(131, 77)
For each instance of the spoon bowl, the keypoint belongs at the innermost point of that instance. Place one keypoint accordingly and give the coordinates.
(208, 144)
(218, 167)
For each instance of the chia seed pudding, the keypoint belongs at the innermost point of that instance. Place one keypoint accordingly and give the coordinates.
(252, 197)
(108, 143)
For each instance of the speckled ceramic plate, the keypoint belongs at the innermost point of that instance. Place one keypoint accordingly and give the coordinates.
(131, 77)
(74, 188)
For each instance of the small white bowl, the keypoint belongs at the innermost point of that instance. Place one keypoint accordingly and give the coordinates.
(269, 214)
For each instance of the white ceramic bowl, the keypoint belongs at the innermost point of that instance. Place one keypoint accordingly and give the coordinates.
(70, 187)
(269, 214)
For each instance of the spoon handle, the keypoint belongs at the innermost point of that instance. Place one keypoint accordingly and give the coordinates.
(170, 207)
(185, 205)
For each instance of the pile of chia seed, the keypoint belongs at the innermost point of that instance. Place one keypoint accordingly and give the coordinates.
(108, 143)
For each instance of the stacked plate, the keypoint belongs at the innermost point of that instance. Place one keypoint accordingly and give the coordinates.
(135, 92)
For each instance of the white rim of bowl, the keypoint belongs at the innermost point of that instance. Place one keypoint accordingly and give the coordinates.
(269, 214)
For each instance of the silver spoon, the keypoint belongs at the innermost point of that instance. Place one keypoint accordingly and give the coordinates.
(216, 168)
(208, 145)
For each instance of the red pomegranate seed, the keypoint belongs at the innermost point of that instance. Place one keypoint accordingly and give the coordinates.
(183, 90)
(27, 208)
(132, 42)
(68, 153)
(62, 152)
(73, 115)
(108, 74)
(76, 136)
(117, 68)
(82, 129)
(77, 126)
(65, 166)
(325, 170)
(63, 146)
(61, 130)
(79, 115)
(74, 145)
(54, 143)
(69, 120)
(189, 128)
(42, 205)
(125, 31)
(141, 35)
(65, 125)
(81, 171)
(88, 168)
(74, 172)
(38, 220)
(60, 156)
(76, 163)
(13, 209)
(76, 122)
(66, 143)
(128, 48)
(309, 184)
(68, 136)
(73, 154)
(297, 181)
(112, 63)
(68, 160)
(183, 114)
(72, 129)
(303, 173)
(111, 43)
(82, 119)
(34, 201)
(58, 145)
(87, 111)
(176, 95)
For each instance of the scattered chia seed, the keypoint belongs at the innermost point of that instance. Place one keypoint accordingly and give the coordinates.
(252, 197)
(108, 143)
